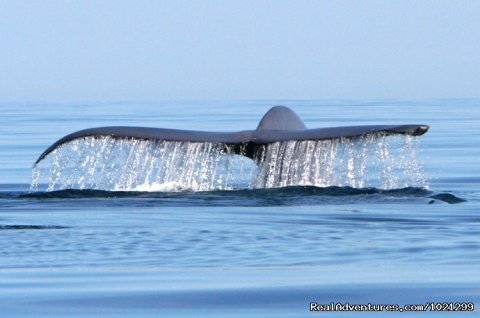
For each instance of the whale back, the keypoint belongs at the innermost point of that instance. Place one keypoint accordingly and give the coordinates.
(281, 118)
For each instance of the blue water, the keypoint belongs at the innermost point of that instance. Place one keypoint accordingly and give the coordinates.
(258, 253)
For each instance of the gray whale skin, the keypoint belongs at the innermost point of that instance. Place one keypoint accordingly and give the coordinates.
(278, 124)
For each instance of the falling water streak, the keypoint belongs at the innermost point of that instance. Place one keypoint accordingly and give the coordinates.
(412, 164)
(106, 163)
(34, 178)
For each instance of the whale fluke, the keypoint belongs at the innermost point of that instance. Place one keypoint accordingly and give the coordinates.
(281, 118)
(278, 124)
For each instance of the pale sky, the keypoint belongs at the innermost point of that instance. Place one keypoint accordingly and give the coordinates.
(187, 50)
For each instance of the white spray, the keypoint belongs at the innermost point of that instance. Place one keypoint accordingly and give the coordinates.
(105, 163)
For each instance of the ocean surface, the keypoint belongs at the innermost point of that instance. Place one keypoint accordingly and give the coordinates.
(400, 226)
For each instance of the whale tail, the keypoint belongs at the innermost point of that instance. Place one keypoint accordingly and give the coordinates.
(280, 118)
(278, 124)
